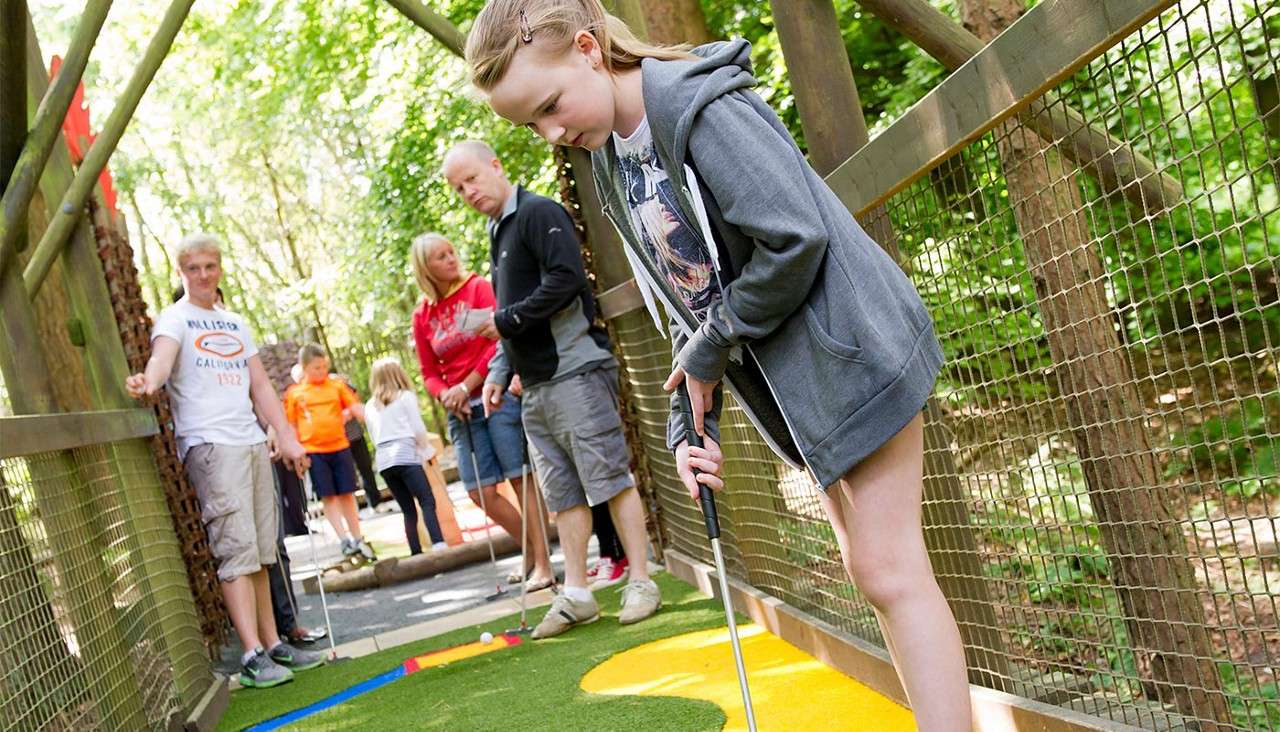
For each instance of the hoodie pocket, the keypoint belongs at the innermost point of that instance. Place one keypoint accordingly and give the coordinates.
(833, 315)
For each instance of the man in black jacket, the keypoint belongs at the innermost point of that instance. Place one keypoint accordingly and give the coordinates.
(545, 319)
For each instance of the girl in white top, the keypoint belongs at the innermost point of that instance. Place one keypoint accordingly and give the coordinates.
(400, 440)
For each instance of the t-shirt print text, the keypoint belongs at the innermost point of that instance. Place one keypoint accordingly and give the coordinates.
(217, 348)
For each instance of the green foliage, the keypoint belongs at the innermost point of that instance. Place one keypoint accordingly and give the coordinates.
(1255, 703)
(1238, 448)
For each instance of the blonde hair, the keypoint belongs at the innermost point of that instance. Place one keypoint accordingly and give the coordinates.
(309, 353)
(198, 242)
(387, 378)
(419, 254)
(503, 27)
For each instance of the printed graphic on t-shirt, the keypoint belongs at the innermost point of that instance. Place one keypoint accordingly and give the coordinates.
(673, 241)
(218, 345)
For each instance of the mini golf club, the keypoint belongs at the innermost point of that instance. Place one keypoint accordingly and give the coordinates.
(708, 502)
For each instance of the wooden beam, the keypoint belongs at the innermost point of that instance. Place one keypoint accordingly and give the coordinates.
(45, 129)
(71, 209)
(434, 23)
(1115, 165)
(620, 300)
(36, 433)
(1045, 46)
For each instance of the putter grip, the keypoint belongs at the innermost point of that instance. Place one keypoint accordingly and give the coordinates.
(705, 495)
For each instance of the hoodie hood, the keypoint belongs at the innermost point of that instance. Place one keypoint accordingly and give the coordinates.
(676, 91)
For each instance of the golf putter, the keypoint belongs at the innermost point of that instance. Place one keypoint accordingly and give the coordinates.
(524, 544)
(500, 591)
(311, 542)
(707, 500)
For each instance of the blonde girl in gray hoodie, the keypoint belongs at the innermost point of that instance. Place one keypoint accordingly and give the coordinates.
(770, 287)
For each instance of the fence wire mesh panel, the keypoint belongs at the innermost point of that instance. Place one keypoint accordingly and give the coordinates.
(1102, 500)
(98, 629)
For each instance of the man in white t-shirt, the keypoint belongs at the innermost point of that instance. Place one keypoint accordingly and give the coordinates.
(216, 382)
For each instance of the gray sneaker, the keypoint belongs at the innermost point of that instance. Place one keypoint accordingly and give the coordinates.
(348, 546)
(261, 672)
(566, 613)
(295, 659)
(639, 601)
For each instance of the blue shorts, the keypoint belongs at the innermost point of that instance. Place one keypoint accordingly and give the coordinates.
(333, 473)
(498, 440)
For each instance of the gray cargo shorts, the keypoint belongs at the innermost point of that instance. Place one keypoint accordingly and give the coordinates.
(576, 439)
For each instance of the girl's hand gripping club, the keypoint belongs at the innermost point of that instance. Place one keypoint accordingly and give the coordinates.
(706, 497)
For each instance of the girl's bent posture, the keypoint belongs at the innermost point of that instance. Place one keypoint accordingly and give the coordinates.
(769, 285)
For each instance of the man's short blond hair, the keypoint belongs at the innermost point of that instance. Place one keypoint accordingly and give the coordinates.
(475, 148)
(198, 242)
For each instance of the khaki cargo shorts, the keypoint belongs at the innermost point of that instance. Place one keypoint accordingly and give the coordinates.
(238, 505)
(576, 439)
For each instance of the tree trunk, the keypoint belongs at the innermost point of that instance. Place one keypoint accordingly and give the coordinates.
(1146, 548)
(287, 234)
(675, 21)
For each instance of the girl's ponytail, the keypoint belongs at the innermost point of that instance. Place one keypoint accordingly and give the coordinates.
(505, 26)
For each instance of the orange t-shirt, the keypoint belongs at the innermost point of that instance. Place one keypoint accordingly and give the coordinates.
(315, 411)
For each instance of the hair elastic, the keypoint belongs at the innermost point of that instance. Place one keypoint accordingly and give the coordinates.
(526, 33)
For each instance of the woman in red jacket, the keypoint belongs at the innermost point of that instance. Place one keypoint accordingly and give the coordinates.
(454, 360)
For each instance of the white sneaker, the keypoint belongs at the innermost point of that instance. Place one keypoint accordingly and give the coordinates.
(564, 614)
(639, 601)
(439, 545)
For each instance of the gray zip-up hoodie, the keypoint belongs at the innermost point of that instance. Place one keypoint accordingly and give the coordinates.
(834, 352)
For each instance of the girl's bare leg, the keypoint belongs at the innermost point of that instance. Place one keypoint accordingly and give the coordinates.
(834, 509)
(885, 555)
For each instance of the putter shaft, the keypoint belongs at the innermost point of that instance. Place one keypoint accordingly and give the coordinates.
(733, 635)
(707, 502)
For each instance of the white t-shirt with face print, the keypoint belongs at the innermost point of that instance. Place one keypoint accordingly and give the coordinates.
(209, 384)
(674, 243)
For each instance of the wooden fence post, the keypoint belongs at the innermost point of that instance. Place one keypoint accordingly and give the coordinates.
(68, 523)
(100, 368)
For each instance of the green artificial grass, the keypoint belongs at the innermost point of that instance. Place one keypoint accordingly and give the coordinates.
(530, 686)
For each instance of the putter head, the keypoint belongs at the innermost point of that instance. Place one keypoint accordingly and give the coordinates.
(496, 595)
(523, 629)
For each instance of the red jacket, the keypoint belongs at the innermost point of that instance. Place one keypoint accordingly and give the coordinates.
(445, 353)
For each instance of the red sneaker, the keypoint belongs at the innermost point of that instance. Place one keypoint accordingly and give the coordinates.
(607, 572)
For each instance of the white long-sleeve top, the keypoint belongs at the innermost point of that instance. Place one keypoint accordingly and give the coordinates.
(397, 430)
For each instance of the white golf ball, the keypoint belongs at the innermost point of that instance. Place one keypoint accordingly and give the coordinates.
(486, 637)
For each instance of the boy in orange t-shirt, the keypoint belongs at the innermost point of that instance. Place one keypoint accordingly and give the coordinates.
(314, 407)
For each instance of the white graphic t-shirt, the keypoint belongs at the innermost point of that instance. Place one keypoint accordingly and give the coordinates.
(673, 242)
(209, 385)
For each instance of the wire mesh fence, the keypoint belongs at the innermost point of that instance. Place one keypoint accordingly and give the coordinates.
(1102, 492)
(98, 629)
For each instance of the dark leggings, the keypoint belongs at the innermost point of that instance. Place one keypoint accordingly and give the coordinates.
(408, 482)
(364, 464)
(602, 522)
